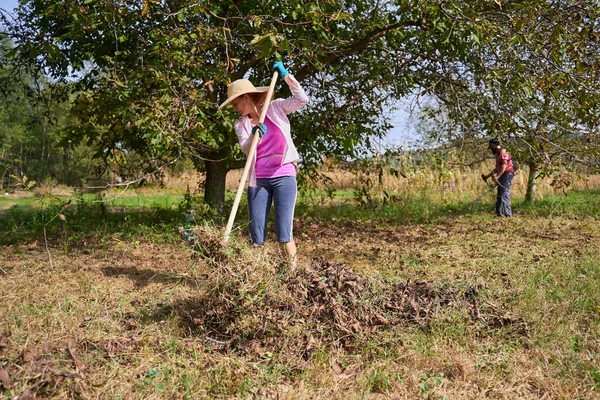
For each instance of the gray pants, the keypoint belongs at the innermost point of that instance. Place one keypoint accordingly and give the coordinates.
(503, 208)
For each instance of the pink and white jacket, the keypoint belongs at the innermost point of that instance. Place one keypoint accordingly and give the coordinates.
(277, 113)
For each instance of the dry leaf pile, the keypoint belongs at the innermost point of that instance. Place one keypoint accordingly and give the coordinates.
(250, 306)
(207, 242)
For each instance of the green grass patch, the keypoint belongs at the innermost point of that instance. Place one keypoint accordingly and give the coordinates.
(414, 297)
(573, 204)
(425, 207)
(83, 219)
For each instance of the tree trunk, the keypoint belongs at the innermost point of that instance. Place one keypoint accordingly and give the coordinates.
(214, 189)
(531, 183)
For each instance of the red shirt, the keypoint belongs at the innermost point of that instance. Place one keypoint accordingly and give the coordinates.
(502, 155)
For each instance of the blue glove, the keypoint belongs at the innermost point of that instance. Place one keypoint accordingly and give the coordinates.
(280, 68)
(261, 128)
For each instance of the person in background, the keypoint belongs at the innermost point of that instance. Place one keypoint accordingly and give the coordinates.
(503, 176)
(273, 171)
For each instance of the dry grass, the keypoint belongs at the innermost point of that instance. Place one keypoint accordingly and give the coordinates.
(452, 184)
(473, 307)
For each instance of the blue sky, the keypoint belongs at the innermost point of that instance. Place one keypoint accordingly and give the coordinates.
(404, 126)
(402, 132)
(8, 5)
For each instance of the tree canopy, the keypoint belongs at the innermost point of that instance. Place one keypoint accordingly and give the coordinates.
(537, 87)
(149, 74)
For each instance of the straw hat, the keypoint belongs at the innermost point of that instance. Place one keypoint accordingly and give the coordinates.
(241, 87)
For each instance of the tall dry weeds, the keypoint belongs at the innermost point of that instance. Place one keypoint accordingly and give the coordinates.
(449, 183)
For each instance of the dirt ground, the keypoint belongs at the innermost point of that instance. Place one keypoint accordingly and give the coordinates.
(474, 307)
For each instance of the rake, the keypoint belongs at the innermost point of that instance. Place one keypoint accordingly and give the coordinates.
(249, 161)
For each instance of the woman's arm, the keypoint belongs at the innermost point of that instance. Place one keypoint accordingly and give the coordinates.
(299, 98)
(244, 136)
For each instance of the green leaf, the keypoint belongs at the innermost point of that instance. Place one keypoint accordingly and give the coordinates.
(256, 39)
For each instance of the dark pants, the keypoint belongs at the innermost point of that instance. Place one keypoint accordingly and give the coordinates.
(503, 208)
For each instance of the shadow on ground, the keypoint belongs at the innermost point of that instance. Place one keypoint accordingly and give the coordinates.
(142, 277)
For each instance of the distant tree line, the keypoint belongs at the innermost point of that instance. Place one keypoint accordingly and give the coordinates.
(32, 134)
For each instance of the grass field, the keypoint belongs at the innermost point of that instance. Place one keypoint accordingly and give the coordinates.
(422, 297)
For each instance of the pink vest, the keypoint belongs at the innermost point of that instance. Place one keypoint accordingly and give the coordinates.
(269, 154)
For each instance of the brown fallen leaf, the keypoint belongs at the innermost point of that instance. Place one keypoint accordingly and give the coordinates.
(27, 395)
(76, 387)
(4, 341)
(112, 349)
(350, 373)
(30, 354)
(380, 320)
(337, 367)
(79, 364)
(4, 379)
(310, 343)
(254, 346)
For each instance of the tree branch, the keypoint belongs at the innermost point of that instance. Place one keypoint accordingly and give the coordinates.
(355, 47)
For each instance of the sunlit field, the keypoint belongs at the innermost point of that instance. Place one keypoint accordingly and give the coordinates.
(418, 292)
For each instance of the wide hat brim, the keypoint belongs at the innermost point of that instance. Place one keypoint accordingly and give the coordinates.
(239, 88)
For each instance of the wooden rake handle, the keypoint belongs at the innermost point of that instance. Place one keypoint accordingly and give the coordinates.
(240, 190)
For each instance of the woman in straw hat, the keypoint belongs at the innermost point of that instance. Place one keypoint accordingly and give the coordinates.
(273, 171)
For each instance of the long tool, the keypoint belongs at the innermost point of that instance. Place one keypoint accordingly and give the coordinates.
(489, 189)
(490, 186)
(240, 190)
